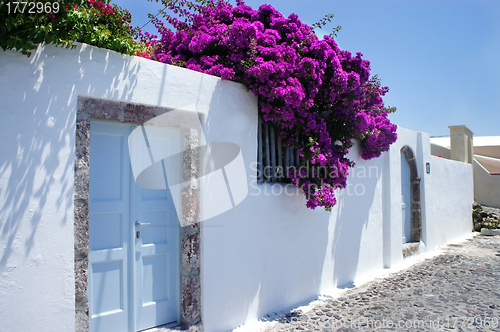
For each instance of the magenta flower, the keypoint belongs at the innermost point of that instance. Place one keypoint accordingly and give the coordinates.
(107, 10)
(97, 4)
(308, 89)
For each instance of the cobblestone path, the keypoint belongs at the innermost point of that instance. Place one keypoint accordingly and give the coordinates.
(456, 291)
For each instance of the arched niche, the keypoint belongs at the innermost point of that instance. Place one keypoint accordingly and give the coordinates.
(415, 214)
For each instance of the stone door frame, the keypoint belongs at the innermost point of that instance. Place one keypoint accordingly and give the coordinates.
(90, 108)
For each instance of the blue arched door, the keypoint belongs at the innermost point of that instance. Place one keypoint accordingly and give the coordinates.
(133, 240)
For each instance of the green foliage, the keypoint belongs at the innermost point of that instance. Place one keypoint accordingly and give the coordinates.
(324, 21)
(375, 84)
(476, 214)
(98, 23)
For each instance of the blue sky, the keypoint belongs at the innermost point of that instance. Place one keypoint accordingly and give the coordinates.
(440, 58)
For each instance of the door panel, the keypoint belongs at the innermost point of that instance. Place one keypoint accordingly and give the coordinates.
(157, 248)
(405, 198)
(109, 233)
(109, 175)
(109, 215)
(109, 277)
(156, 232)
(133, 281)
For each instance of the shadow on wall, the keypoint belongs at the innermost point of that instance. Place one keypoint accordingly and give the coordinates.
(266, 253)
(353, 211)
(270, 252)
(291, 252)
(38, 133)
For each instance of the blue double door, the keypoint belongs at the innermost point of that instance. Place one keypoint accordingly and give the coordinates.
(133, 276)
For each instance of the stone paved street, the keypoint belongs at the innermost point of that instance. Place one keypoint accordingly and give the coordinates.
(456, 291)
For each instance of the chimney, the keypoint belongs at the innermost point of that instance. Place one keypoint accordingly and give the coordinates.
(462, 147)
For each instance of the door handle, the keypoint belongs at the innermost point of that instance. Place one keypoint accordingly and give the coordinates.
(138, 223)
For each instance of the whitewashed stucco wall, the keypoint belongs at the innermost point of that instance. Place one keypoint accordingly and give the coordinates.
(271, 252)
(420, 145)
(37, 153)
(267, 253)
(486, 186)
(449, 201)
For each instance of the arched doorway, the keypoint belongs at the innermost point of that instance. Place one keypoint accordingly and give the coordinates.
(410, 202)
(406, 198)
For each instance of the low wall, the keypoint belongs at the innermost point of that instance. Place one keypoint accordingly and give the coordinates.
(486, 186)
(449, 201)
(270, 252)
(438, 150)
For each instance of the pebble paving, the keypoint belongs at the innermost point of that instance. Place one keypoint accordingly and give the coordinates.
(458, 290)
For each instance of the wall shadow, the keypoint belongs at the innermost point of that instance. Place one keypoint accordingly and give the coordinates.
(266, 253)
(352, 218)
(38, 134)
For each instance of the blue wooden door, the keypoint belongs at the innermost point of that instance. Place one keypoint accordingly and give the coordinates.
(156, 246)
(133, 240)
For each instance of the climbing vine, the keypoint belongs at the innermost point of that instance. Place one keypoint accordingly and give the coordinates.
(318, 97)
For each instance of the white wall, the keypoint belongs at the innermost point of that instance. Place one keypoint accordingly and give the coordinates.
(486, 160)
(486, 186)
(449, 200)
(37, 131)
(420, 145)
(491, 165)
(438, 150)
(267, 253)
(271, 252)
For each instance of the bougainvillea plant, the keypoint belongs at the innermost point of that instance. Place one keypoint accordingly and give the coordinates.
(63, 22)
(308, 89)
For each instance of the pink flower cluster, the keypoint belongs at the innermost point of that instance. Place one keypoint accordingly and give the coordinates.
(142, 54)
(74, 6)
(308, 89)
(102, 6)
(97, 4)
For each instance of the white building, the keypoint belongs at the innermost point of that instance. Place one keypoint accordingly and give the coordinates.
(484, 154)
